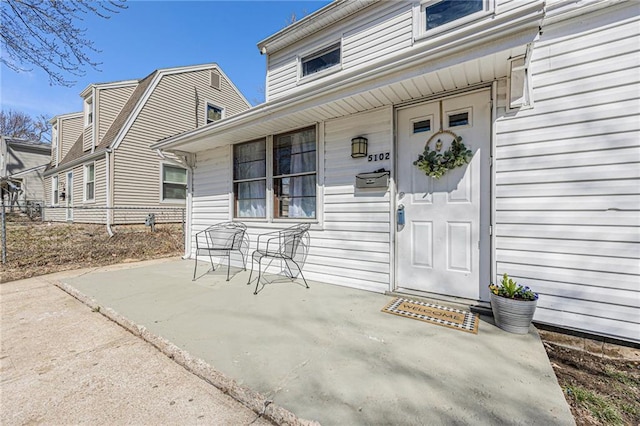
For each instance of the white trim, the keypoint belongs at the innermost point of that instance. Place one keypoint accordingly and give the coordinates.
(173, 200)
(85, 167)
(69, 196)
(527, 94)
(208, 103)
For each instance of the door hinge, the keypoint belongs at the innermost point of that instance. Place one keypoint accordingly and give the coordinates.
(490, 161)
(490, 230)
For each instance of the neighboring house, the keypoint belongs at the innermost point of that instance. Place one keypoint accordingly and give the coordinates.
(102, 169)
(22, 165)
(545, 94)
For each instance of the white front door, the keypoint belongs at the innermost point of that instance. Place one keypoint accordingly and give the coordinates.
(69, 196)
(443, 246)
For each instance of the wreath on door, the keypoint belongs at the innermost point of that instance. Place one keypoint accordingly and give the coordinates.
(435, 164)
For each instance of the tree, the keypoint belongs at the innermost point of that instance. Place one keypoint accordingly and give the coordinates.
(19, 125)
(45, 34)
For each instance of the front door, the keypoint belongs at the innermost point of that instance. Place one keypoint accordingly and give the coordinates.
(443, 246)
(69, 196)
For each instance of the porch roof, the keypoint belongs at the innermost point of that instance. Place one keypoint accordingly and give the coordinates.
(401, 79)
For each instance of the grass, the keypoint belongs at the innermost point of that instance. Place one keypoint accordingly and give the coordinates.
(599, 407)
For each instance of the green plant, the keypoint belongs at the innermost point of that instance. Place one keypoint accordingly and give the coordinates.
(510, 289)
(435, 164)
(599, 407)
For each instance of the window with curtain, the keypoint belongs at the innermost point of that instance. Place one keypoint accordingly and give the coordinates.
(174, 183)
(292, 177)
(294, 174)
(250, 179)
(89, 182)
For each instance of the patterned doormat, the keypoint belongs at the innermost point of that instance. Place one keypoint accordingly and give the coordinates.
(435, 314)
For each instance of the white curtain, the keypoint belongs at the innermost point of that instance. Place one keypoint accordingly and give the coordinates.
(302, 189)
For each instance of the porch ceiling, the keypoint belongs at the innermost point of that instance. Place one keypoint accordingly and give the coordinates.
(418, 82)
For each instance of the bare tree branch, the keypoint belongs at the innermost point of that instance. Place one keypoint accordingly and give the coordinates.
(19, 125)
(46, 34)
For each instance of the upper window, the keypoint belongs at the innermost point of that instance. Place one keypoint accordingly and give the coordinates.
(445, 11)
(292, 176)
(174, 182)
(214, 113)
(321, 60)
(88, 111)
(89, 182)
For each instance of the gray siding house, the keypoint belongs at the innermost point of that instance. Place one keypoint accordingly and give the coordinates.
(102, 170)
(544, 93)
(22, 166)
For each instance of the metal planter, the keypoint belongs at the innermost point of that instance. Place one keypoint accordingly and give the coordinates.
(513, 315)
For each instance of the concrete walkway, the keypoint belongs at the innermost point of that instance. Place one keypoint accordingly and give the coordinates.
(63, 363)
(328, 354)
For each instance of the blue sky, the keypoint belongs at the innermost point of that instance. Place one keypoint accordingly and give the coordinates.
(161, 34)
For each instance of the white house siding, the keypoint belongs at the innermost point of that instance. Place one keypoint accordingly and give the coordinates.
(87, 139)
(70, 130)
(110, 102)
(171, 109)
(353, 248)
(568, 177)
(351, 245)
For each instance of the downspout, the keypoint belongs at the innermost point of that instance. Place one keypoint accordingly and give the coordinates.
(108, 191)
(188, 161)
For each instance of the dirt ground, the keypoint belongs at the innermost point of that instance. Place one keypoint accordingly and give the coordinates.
(600, 391)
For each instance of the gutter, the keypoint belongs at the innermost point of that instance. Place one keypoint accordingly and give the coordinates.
(73, 163)
(108, 202)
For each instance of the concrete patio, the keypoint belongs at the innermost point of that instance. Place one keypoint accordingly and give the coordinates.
(329, 354)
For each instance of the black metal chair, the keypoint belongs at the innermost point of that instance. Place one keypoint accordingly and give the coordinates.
(289, 245)
(220, 240)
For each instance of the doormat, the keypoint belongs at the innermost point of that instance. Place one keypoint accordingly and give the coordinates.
(435, 314)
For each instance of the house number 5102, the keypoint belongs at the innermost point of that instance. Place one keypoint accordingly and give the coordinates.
(379, 157)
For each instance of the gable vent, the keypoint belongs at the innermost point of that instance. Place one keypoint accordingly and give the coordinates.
(215, 80)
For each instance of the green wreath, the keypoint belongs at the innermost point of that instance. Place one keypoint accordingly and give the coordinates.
(435, 164)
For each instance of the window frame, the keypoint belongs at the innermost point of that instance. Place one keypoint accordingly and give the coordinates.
(270, 216)
(420, 19)
(208, 104)
(162, 183)
(55, 190)
(315, 53)
(234, 181)
(88, 111)
(86, 182)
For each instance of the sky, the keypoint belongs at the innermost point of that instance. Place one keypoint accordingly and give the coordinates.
(161, 34)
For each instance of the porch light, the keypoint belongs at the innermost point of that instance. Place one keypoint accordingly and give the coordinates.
(358, 147)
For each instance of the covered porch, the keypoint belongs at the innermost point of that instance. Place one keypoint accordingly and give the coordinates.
(329, 354)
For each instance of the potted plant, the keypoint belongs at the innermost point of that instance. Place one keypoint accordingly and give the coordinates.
(513, 305)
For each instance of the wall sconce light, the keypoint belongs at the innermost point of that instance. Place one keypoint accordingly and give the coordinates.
(358, 147)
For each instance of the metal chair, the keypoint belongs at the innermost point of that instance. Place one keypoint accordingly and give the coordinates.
(220, 240)
(286, 245)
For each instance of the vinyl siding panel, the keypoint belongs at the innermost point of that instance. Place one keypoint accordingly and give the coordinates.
(171, 109)
(568, 177)
(110, 102)
(87, 139)
(70, 130)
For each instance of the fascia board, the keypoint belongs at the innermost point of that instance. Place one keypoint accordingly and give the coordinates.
(65, 116)
(74, 163)
(27, 171)
(152, 87)
(513, 23)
